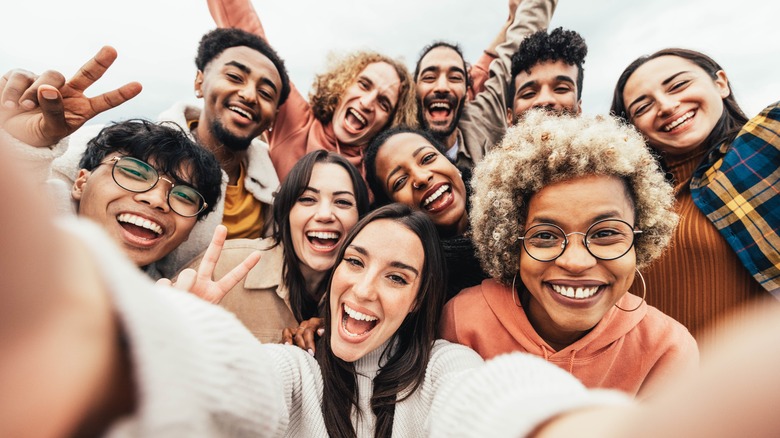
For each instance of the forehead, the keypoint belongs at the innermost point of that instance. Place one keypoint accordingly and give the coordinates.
(399, 149)
(257, 63)
(442, 58)
(330, 177)
(580, 201)
(547, 72)
(387, 240)
(383, 76)
(652, 73)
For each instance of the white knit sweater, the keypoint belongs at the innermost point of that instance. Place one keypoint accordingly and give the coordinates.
(199, 372)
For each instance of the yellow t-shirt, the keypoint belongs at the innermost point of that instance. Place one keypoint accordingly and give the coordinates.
(243, 215)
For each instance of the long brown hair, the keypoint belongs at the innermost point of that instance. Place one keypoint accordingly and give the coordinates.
(409, 348)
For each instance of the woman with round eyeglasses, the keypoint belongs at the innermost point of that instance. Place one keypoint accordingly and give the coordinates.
(564, 211)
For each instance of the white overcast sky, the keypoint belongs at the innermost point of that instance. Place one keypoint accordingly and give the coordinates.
(157, 40)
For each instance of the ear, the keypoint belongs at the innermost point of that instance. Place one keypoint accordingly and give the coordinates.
(78, 186)
(509, 118)
(199, 84)
(722, 84)
(579, 107)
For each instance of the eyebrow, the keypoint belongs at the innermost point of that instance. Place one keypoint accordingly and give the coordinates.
(612, 214)
(559, 78)
(395, 264)
(435, 68)
(337, 193)
(665, 82)
(397, 168)
(248, 71)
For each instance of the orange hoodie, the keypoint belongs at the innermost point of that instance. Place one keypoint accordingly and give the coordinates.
(630, 351)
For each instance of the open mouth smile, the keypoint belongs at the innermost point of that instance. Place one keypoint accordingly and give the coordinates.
(577, 293)
(355, 120)
(139, 227)
(356, 323)
(323, 240)
(242, 112)
(679, 121)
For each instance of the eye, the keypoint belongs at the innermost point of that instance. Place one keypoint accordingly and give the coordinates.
(345, 203)
(353, 261)
(363, 84)
(456, 78)
(306, 200)
(428, 77)
(184, 194)
(527, 95)
(399, 183)
(397, 279)
(265, 94)
(641, 109)
(234, 77)
(563, 89)
(679, 85)
(385, 105)
(427, 158)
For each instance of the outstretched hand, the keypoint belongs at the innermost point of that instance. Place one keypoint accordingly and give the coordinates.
(201, 282)
(41, 110)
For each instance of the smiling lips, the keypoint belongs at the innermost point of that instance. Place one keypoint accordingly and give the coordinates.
(577, 293)
(679, 121)
(141, 228)
(242, 112)
(438, 199)
(323, 240)
(356, 323)
(355, 120)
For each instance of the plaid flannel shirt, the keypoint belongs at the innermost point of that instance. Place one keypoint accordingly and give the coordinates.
(738, 188)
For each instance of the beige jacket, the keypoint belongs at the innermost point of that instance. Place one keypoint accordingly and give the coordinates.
(261, 302)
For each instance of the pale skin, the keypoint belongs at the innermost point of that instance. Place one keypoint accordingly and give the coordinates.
(42, 110)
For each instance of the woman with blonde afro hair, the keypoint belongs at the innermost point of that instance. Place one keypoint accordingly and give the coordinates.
(359, 96)
(564, 212)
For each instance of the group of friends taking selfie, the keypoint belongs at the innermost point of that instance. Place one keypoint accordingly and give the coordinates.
(443, 250)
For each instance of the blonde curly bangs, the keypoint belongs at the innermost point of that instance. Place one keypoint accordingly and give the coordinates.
(545, 148)
(328, 87)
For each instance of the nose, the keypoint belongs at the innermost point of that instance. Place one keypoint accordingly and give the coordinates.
(157, 197)
(576, 258)
(248, 92)
(441, 84)
(545, 99)
(368, 99)
(666, 104)
(420, 177)
(363, 288)
(324, 212)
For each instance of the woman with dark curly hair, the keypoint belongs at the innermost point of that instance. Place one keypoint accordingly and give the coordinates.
(724, 169)
(358, 96)
(563, 213)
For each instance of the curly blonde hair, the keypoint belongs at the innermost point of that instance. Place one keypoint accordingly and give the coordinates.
(328, 87)
(545, 148)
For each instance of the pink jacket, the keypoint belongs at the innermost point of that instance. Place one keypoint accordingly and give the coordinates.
(631, 351)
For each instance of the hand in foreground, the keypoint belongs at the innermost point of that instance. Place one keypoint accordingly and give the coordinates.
(201, 282)
(42, 110)
(305, 335)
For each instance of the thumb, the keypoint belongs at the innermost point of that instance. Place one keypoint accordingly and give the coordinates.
(53, 125)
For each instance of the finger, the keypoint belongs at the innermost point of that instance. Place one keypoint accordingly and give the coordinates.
(308, 340)
(164, 282)
(93, 69)
(114, 98)
(287, 336)
(214, 250)
(186, 280)
(14, 84)
(238, 273)
(300, 339)
(29, 99)
(53, 111)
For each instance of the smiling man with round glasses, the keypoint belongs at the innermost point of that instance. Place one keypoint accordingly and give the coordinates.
(147, 185)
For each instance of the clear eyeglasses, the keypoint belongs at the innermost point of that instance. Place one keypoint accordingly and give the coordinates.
(607, 239)
(138, 176)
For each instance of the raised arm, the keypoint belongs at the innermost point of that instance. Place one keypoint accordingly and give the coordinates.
(479, 70)
(40, 111)
(236, 13)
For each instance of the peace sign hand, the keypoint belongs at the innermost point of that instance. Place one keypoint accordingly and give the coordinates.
(41, 110)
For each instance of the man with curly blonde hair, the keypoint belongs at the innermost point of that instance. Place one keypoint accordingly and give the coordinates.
(564, 212)
(360, 95)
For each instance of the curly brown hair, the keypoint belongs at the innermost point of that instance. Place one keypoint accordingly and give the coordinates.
(328, 87)
(545, 148)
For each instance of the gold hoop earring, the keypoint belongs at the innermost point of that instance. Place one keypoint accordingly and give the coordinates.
(513, 291)
(644, 293)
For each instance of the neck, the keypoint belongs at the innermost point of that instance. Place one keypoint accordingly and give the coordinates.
(229, 160)
(556, 337)
(313, 279)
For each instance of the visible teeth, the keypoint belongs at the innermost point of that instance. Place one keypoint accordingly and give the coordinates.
(442, 105)
(323, 234)
(679, 121)
(140, 222)
(357, 116)
(578, 293)
(241, 111)
(354, 314)
(436, 194)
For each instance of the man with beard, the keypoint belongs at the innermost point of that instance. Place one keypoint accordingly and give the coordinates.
(468, 129)
(242, 81)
